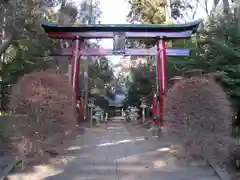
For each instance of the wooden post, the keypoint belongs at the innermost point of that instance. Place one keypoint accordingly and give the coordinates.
(143, 115)
(91, 118)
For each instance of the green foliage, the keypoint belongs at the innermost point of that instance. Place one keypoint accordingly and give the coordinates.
(28, 47)
(144, 11)
(215, 48)
(28, 51)
(140, 83)
(218, 51)
(100, 73)
(143, 78)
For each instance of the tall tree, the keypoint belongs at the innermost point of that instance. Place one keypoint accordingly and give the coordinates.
(89, 14)
(218, 51)
(144, 11)
(29, 46)
(226, 4)
(142, 78)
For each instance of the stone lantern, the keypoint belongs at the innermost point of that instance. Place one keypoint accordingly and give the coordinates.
(91, 106)
(80, 105)
(143, 106)
(98, 114)
(134, 113)
(155, 102)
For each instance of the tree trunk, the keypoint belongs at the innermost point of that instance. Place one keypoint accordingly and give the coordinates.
(86, 68)
(5, 44)
(226, 6)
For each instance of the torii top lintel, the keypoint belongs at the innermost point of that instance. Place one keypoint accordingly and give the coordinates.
(152, 31)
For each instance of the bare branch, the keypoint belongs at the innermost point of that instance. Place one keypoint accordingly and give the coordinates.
(204, 6)
(195, 12)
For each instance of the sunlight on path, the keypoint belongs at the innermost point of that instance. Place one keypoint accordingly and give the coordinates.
(114, 153)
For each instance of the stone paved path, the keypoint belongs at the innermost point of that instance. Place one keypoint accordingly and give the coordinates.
(117, 152)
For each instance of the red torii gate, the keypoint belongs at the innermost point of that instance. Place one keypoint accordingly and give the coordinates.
(119, 33)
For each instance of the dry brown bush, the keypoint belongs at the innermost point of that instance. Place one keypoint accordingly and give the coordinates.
(200, 116)
(44, 114)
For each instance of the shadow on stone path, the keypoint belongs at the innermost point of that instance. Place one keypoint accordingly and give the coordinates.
(116, 152)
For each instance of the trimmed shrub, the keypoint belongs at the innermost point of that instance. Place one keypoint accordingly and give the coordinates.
(43, 114)
(200, 117)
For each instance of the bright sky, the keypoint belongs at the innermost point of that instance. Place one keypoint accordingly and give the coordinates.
(113, 12)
